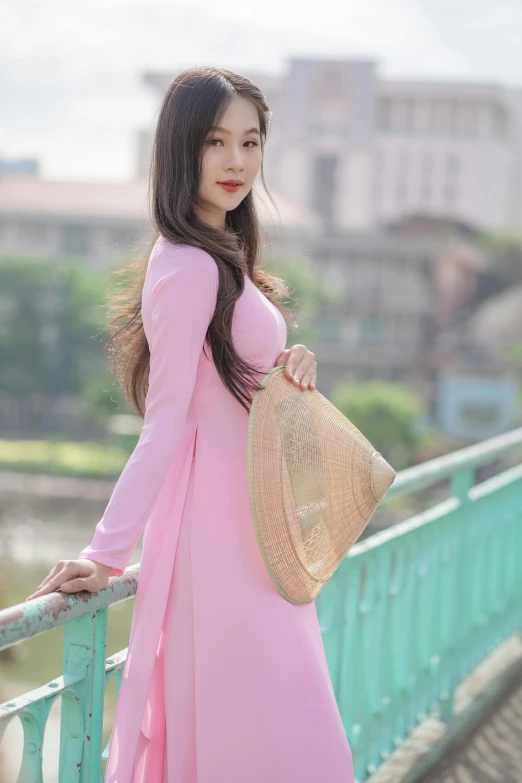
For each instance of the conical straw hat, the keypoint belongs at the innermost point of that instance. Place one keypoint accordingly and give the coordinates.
(314, 482)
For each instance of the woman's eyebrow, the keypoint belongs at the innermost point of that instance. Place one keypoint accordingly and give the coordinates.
(224, 130)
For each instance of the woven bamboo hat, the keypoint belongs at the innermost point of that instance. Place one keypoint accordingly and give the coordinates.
(314, 482)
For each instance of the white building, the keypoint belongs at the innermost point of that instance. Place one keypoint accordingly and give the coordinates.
(362, 150)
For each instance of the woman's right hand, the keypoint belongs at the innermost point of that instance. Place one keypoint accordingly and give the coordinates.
(70, 576)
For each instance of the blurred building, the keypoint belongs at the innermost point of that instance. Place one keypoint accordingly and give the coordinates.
(404, 295)
(380, 319)
(101, 222)
(478, 388)
(92, 221)
(362, 150)
(382, 186)
(419, 308)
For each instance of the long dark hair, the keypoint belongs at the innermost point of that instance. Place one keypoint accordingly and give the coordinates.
(195, 100)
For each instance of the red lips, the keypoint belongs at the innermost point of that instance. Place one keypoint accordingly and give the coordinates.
(229, 187)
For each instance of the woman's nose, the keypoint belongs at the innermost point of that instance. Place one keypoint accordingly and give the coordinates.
(236, 160)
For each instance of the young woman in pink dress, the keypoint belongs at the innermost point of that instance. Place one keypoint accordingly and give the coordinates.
(225, 681)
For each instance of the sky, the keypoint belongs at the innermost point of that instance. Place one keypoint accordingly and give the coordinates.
(71, 89)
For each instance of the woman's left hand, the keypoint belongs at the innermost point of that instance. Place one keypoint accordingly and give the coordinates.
(300, 366)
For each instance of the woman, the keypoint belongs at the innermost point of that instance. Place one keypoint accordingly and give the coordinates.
(225, 680)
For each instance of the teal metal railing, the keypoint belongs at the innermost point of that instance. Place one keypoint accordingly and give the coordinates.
(406, 617)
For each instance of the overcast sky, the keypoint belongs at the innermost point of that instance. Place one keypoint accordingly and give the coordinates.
(70, 73)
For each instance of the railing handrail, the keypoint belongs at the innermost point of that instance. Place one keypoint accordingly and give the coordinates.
(428, 474)
(30, 618)
(25, 620)
(412, 610)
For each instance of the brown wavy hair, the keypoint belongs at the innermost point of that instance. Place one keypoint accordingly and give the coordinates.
(195, 100)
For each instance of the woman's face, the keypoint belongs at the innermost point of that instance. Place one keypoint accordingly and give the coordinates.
(232, 152)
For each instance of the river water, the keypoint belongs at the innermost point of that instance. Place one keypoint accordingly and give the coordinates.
(43, 520)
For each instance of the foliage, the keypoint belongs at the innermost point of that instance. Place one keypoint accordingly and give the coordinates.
(309, 290)
(53, 318)
(63, 458)
(386, 413)
(47, 320)
(505, 250)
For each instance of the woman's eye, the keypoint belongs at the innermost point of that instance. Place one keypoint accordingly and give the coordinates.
(246, 142)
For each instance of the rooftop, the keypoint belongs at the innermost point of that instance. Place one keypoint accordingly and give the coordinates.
(33, 196)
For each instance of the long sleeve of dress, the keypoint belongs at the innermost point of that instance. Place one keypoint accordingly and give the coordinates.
(178, 302)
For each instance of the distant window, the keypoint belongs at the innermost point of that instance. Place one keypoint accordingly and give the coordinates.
(401, 192)
(32, 233)
(328, 328)
(434, 116)
(335, 276)
(399, 115)
(403, 162)
(500, 122)
(452, 164)
(383, 114)
(371, 329)
(426, 177)
(75, 239)
(427, 163)
(481, 415)
(348, 330)
(410, 115)
(324, 184)
(450, 194)
(453, 129)
(368, 273)
(378, 177)
(467, 119)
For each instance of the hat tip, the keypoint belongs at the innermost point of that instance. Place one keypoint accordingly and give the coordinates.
(383, 475)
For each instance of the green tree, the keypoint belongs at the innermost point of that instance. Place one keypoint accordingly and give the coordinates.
(505, 251)
(52, 331)
(47, 326)
(310, 292)
(388, 414)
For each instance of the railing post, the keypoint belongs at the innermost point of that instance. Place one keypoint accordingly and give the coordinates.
(460, 483)
(84, 649)
(33, 722)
